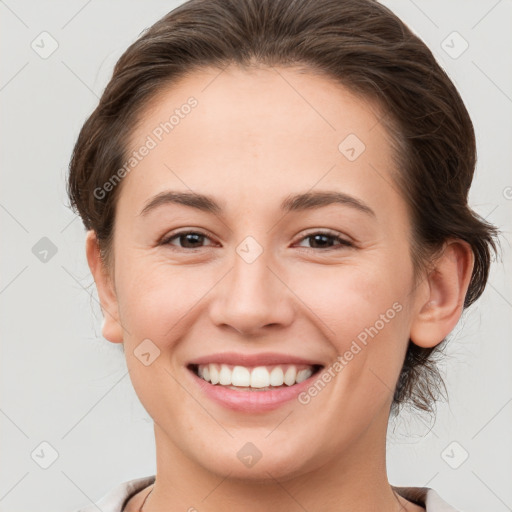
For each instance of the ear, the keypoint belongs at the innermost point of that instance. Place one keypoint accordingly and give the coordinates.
(442, 304)
(111, 328)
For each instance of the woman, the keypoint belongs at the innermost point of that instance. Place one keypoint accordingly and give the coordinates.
(275, 193)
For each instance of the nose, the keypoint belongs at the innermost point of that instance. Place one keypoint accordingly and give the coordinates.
(253, 296)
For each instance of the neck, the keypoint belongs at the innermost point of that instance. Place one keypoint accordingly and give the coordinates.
(352, 479)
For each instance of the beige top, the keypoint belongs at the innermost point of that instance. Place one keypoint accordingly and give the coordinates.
(115, 499)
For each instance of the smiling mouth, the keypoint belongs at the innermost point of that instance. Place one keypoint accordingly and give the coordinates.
(254, 378)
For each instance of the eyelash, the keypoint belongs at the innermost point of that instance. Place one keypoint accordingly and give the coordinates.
(343, 243)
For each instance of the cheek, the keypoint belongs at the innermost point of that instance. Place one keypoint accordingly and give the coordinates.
(155, 297)
(364, 317)
(347, 300)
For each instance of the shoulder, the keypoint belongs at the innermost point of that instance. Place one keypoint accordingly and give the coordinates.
(425, 497)
(116, 498)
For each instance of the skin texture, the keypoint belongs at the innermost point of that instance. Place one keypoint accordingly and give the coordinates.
(255, 137)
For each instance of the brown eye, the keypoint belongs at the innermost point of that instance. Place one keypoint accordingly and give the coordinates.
(187, 239)
(324, 240)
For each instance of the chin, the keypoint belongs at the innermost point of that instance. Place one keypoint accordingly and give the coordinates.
(262, 461)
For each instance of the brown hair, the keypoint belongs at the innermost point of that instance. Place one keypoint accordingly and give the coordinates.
(359, 43)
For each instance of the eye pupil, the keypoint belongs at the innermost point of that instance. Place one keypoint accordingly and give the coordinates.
(318, 237)
(194, 236)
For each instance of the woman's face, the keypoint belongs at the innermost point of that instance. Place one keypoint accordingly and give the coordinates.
(254, 279)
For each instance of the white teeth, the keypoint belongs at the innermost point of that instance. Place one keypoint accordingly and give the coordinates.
(214, 373)
(289, 376)
(224, 375)
(303, 375)
(260, 377)
(276, 376)
(257, 377)
(240, 377)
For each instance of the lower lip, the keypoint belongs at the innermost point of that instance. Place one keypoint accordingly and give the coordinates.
(252, 401)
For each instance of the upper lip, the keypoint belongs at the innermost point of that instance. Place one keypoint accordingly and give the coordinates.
(263, 359)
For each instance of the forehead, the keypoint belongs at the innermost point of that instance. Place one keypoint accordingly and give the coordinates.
(263, 132)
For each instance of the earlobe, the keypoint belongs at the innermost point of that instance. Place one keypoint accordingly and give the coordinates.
(111, 327)
(447, 284)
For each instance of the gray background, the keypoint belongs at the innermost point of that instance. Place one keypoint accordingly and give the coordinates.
(63, 384)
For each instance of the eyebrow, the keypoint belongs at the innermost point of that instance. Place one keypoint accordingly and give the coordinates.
(292, 203)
